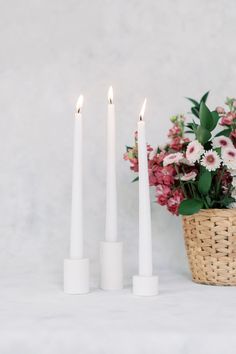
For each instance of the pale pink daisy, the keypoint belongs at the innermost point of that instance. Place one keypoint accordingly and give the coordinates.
(229, 157)
(190, 176)
(172, 158)
(220, 110)
(194, 151)
(211, 160)
(222, 142)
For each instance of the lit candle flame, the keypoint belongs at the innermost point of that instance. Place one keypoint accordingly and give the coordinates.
(142, 109)
(110, 95)
(79, 103)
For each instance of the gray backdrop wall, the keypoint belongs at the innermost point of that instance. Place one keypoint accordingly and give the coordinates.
(51, 51)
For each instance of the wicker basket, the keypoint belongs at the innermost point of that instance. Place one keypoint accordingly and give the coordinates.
(210, 240)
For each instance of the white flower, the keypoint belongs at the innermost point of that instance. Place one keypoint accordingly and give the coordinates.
(211, 160)
(194, 151)
(172, 158)
(222, 142)
(191, 176)
(229, 157)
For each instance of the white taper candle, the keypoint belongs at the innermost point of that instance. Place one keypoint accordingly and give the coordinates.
(111, 192)
(76, 235)
(145, 234)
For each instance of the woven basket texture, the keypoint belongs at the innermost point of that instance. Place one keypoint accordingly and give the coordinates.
(210, 240)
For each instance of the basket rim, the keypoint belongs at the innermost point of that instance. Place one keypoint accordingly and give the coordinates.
(214, 211)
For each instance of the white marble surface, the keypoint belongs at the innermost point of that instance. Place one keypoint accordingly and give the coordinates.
(186, 318)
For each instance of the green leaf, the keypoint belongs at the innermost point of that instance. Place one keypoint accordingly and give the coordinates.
(209, 201)
(135, 179)
(204, 97)
(225, 132)
(193, 101)
(226, 201)
(206, 118)
(195, 111)
(128, 148)
(203, 135)
(218, 150)
(189, 125)
(216, 118)
(204, 183)
(190, 206)
(189, 132)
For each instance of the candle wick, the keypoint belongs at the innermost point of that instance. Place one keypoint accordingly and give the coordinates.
(110, 100)
(140, 118)
(78, 110)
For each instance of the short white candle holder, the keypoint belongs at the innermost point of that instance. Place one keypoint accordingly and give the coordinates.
(145, 285)
(111, 260)
(76, 276)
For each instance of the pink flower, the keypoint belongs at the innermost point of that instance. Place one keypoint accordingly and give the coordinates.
(172, 158)
(229, 157)
(162, 193)
(233, 134)
(175, 130)
(227, 119)
(190, 176)
(220, 110)
(222, 142)
(149, 148)
(211, 160)
(174, 202)
(162, 190)
(194, 151)
(134, 164)
(126, 156)
(168, 174)
(162, 200)
(177, 143)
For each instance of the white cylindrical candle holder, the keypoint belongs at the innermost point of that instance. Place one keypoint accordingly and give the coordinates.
(111, 259)
(76, 276)
(145, 286)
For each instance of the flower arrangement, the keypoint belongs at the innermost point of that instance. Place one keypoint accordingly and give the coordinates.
(195, 169)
